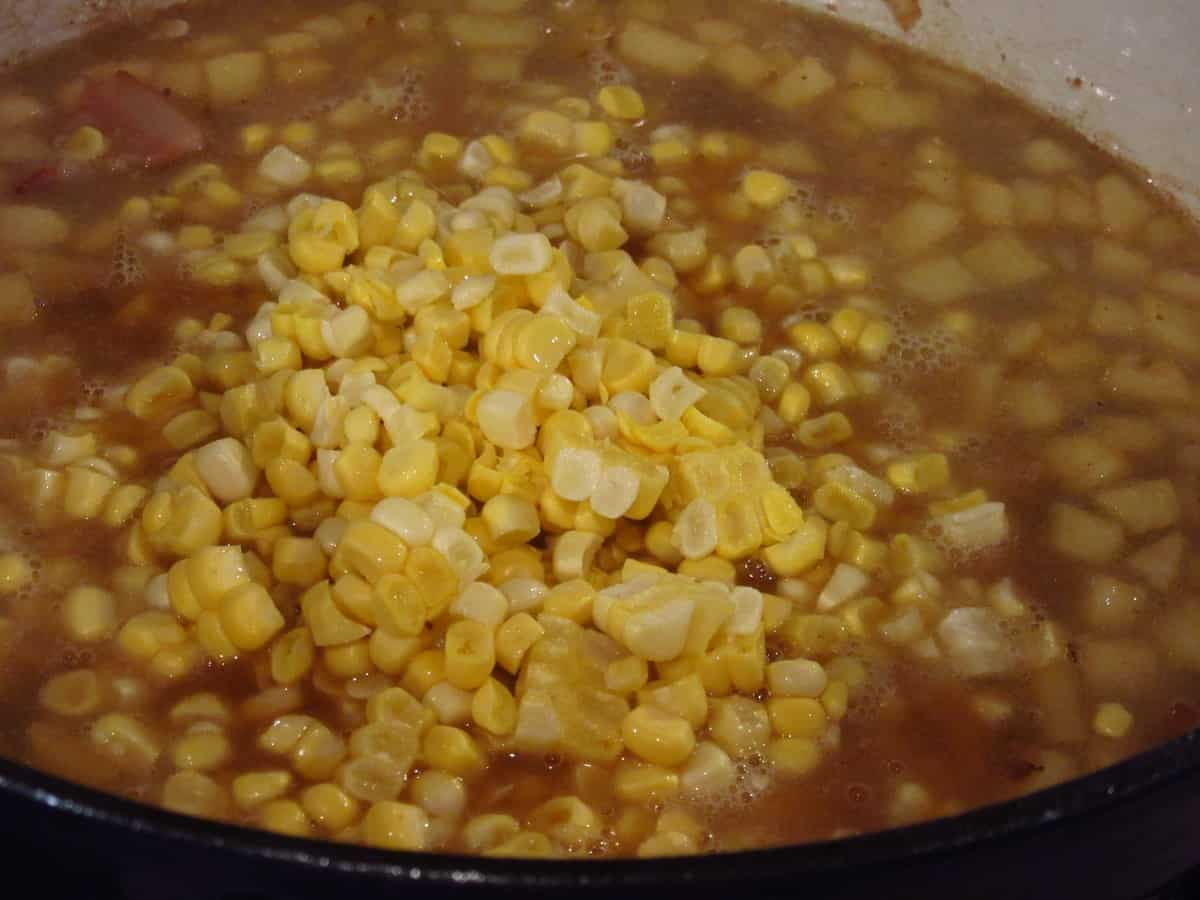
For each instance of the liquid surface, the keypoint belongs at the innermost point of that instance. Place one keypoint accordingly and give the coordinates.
(958, 343)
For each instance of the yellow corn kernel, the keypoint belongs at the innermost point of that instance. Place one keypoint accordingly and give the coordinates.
(593, 139)
(814, 340)
(1112, 720)
(621, 102)
(159, 392)
(848, 323)
(298, 561)
(493, 708)
(651, 319)
(874, 341)
(962, 502)
(74, 693)
(202, 751)
(86, 143)
(839, 503)
(370, 550)
(292, 482)
(85, 492)
(547, 132)
(795, 756)
(829, 383)
(126, 741)
(253, 789)
(824, 431)
(89, 614)
(658, 737)
(292, 656)
(814, 635)
(196, 237)
(249, 616)
(740, 325)
(670, 153)
(645, 784)
(711, 568)
(719, 356)
(793, 717)
(570, 600)
(396, 826)
(329, 806)
(15, 573)
(425, 669)
(626, 675)
(453, 750)
(470, 654)
(765, 189)
(253, 138)
(285, 817)
(513, 640)
(920, 473)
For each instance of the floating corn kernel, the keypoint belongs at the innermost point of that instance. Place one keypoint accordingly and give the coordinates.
(621, 102)
(765, 189)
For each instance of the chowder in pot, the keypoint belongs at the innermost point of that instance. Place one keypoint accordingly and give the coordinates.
(572, 429)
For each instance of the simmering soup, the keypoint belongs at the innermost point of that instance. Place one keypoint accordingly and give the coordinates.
(577, 428)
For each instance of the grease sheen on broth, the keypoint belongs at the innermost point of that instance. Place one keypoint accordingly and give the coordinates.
(828, 463)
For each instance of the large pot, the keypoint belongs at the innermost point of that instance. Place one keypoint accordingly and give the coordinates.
(1125, 72)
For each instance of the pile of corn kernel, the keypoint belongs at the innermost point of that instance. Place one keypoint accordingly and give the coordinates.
(473, 466)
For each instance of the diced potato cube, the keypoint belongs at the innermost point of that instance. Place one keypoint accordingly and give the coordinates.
(1123, 209)
(940, 280)
(1084, 536)
(920, 226)
(660, 49)
(1005, 261)
(1142, 506)
(802, 85)
(235, 77)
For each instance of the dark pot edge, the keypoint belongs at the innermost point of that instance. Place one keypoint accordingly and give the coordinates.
(1091, 794)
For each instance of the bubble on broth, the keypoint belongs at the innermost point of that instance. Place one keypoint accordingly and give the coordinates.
(958, 556)
(866, 699)
(127, 267)
(922, 352)
(38, 429)
(633, 156)
(901, 428)
(605, 69)
(813, 311)
(807, 196)
(754, 776)
(404, 98)
(841, 212)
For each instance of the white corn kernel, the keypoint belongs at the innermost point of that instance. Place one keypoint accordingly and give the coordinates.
(405, 518)
(615, 492)
(482, 602)
(796, 678)
(284, 166)
(579, 318)
(672, 392)
(506, 418)
(472, 291)
(695, 533)
(228, 469)
(521, 254)
(576, 473)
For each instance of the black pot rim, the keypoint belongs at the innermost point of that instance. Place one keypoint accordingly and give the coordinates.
(1024, 816)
